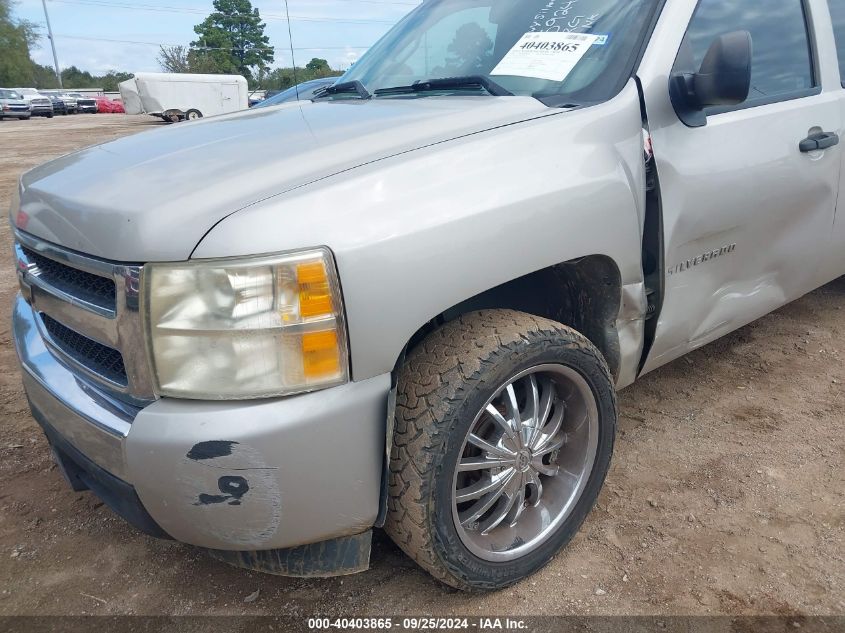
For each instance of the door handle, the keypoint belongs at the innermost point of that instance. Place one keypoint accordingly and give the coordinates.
(822, 140)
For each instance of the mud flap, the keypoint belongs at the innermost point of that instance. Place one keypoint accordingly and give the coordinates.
(338, 557)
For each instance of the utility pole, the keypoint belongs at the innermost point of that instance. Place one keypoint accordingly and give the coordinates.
(53, 45)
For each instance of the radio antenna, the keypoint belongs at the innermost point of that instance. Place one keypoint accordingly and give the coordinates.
(292, 58)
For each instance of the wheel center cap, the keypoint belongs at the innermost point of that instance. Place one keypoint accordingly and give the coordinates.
(523, 460)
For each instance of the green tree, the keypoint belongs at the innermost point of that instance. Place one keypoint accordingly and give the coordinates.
(16, 38)
(111, 81)
(231, 40)
(43, 77)
(282, 78)
(74, 77)
(318, 67)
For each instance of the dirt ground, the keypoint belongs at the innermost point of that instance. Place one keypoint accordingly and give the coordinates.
(726, 495)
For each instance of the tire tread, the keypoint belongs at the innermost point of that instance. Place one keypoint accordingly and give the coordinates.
(434, 380)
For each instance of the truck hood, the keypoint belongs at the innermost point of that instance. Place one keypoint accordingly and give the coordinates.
(153, 196)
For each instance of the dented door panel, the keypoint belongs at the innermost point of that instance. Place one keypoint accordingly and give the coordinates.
(746, 215)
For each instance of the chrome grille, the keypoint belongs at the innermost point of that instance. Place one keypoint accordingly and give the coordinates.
(98, 358)
(88, 313)
(92, 288)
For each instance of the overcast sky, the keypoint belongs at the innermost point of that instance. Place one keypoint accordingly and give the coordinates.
(101, 35)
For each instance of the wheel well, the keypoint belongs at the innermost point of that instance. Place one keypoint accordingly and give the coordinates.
(584, 294)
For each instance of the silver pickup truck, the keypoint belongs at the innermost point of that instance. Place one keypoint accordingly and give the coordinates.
(414, 306)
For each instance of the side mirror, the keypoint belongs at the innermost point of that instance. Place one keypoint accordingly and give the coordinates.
(724, 79)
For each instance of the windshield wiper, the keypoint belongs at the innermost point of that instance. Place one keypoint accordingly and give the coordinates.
(558, 101)
(447, 83)
(346, 87)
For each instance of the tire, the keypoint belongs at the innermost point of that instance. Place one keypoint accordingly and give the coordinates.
(49, 116)
(446, 386)
(193, 115)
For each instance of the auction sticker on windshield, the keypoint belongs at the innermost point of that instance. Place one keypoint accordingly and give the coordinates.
(549, 56)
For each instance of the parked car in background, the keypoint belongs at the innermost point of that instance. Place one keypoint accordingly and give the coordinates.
(301, 92)
(70, 102)
(109, 106)
(62, 104)
(40, 104)
(12, 105)
(59, 106)
(257, 97)
(67, 99)
(85, 104)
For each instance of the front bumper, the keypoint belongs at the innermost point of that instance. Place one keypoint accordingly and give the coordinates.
(19, 113)
(88, 109)
(237, 476)
(38, 110)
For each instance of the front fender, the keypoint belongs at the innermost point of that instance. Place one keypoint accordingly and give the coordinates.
(418, 233)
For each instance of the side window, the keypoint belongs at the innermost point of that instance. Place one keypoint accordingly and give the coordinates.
(782, 66)
(837, 12)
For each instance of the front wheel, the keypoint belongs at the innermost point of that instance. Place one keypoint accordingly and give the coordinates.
(193, 115)
(505, 425)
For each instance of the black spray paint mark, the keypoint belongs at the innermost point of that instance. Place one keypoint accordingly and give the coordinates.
(210, 450)
(233, 489)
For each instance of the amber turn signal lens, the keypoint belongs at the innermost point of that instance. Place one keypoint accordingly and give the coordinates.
(315, 295)
(320, 354)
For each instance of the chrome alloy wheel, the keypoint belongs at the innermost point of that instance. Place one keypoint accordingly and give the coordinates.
(525, 462)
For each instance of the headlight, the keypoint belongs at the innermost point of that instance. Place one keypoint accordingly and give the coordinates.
(246, 328)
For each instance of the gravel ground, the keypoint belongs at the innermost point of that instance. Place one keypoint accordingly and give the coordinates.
(726, 495)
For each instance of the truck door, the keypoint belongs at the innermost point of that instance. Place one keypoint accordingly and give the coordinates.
(746, 213)
(836, 259)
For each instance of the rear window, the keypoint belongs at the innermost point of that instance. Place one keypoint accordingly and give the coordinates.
(837, 13)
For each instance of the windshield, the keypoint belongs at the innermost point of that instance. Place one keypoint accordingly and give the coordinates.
(302, 92)
(560, 51)
(9, 94)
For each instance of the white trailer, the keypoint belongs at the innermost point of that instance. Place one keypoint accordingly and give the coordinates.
(176, 96)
